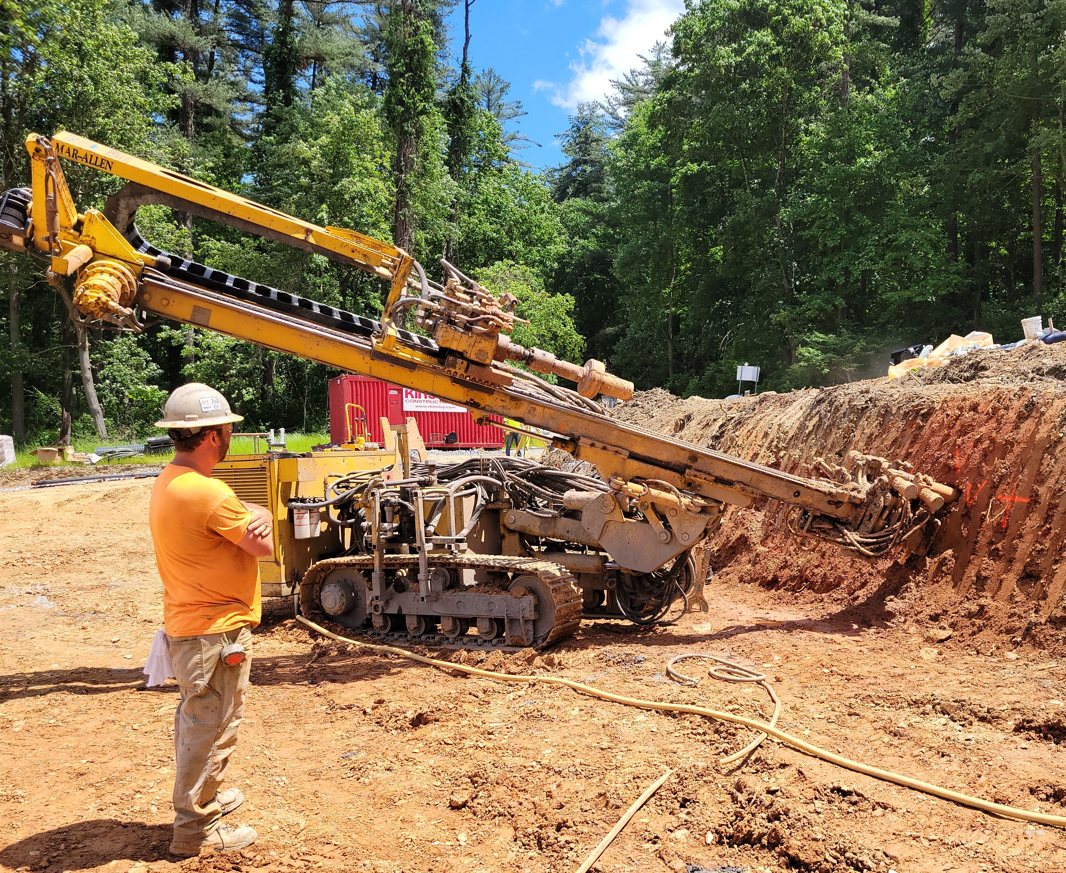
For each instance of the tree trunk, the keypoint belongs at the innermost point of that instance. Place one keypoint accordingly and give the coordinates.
(1012, 254)
(1038, 230)
(409, 95)
(953, 236)
(191, 55)
(267, 380)
(980, 269)
(1056, 239)
(187, 113)
(18, 391)
(1058, 184)
(87, 384)
(466, 33)
(953, 135)
(845, 71)
(403, 219)
(454, 154)
(188, 349)
(779, 198)
(1038, 194)
(670, 346)
(307, 385)
(66, 393)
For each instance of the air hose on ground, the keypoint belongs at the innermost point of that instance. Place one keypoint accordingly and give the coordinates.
(767, 728)
(727, 671)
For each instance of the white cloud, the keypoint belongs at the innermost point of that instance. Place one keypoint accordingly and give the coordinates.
(614, 50)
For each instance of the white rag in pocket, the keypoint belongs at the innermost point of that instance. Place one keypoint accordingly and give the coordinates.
(158, 668)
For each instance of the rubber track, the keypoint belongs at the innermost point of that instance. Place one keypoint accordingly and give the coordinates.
(564, 589)
(195, 273)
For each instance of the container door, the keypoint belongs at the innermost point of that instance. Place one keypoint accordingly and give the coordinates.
(395, 412)
(338, 397)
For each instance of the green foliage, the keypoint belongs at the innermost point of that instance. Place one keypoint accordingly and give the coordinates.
(432, 191)
(799, 184)
(646, 256)
(281, 61)
(460, 111)
(805, 183)
(409, 101)
(202, 67)
(825, 358)
(585, 272)
(506, 213)
(127, 384)
(586, 146)
(72, 66)
(491, 92)
(324, 164)
(551, 323)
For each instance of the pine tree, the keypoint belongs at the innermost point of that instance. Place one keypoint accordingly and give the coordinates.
(409, 98)
(492, 90)
(281, 62)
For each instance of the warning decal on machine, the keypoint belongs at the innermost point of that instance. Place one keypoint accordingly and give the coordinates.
(416, 401)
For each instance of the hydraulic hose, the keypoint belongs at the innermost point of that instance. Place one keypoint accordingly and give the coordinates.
(781, 736)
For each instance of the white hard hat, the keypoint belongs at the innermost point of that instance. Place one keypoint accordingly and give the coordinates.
(195, 406)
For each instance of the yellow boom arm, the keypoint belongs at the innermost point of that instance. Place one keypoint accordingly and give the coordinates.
(154, 184)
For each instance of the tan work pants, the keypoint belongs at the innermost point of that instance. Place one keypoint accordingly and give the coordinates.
(205, 726)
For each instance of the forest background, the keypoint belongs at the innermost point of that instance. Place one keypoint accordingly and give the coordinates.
(799, 184)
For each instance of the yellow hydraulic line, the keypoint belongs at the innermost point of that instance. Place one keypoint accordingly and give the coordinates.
(1057, 821)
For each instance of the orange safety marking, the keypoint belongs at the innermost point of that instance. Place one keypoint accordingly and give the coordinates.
(971, 495)
(1010, 500)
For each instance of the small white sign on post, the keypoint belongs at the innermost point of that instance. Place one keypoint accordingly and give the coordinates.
(747, 373)
(416, 401)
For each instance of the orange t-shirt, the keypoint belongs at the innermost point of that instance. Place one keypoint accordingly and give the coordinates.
(210, 584)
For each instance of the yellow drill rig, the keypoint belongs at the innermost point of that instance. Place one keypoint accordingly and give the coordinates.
(491, 551)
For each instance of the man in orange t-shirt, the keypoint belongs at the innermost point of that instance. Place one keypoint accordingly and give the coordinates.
(207, 547)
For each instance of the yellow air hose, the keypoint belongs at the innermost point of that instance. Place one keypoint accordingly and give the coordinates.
(1000, 809)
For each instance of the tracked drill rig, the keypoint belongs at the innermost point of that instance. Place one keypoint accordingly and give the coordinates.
(491, 551)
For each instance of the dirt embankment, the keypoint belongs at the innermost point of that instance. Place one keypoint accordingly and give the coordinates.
(991, 424)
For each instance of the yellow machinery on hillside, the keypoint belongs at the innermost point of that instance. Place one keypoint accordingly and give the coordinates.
(492, 551)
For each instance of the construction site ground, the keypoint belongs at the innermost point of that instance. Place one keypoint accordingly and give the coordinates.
(946, 666)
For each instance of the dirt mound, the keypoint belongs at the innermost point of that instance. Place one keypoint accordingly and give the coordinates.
(990, 423)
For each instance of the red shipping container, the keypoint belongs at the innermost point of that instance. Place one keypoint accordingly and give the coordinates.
(437, 419)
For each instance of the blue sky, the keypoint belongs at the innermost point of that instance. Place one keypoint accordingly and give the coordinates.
(557, 53)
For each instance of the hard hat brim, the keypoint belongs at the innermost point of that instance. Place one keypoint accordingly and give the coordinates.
(184, 424)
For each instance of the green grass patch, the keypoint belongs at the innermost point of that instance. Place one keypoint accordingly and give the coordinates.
(294, 442)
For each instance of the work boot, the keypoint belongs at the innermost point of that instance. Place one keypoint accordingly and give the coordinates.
(229, 799)
(224, 839)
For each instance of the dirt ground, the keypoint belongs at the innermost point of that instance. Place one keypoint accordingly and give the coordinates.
(947, 667)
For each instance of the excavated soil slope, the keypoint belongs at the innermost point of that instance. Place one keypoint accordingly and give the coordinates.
(991, 424)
